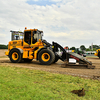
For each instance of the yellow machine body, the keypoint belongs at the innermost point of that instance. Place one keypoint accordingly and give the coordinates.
(26, 48)
(97, 53)
(28, 45)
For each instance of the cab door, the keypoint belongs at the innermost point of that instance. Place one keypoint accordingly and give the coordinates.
(27, 38)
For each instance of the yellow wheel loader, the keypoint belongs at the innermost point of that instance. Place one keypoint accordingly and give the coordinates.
(29, 45)
(97, 53)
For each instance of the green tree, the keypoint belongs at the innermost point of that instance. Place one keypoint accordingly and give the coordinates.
(87, 49)
(72, 48)
(94, 47)
(82, 47)
(3, 46)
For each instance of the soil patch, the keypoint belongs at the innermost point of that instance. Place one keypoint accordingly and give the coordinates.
(80, 71)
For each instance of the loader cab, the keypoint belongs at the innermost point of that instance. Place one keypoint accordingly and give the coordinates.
(31, 36)
(16, 35)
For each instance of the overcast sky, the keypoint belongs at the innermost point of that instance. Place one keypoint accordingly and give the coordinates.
(68, 22)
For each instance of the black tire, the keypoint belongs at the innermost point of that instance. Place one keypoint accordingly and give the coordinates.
(46, 57)
(99, 54)
(15, 56)
(27, 60)
(56, 59)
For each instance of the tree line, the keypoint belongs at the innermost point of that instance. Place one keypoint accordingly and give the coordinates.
(3, 46)
(82, 47)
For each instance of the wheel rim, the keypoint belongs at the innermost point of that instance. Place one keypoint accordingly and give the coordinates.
(15, 56)
(45, 57)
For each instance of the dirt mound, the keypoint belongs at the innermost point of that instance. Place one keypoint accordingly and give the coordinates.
(79, 92)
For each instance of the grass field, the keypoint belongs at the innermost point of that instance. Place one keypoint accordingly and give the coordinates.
(26, 84)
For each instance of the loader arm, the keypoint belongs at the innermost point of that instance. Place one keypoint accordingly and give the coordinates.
(55, 48)
(58, 46)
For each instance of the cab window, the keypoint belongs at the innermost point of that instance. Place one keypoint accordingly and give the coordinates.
(27, 38)
(34, 39)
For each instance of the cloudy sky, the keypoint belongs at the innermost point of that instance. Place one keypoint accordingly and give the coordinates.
(68, 22)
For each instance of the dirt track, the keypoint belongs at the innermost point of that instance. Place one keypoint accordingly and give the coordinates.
(58, 68)
(2, 52)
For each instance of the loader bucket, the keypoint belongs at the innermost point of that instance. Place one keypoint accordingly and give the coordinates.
(66, 55)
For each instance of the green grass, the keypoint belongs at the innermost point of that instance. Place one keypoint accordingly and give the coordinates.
(92, 57)
(26, 84)
(3, 56)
